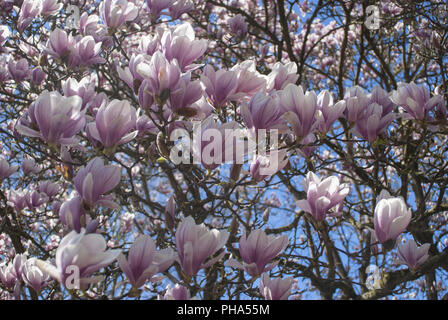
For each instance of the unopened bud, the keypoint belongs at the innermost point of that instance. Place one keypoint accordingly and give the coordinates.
(266, 215)
(235, 171)
(161, 146)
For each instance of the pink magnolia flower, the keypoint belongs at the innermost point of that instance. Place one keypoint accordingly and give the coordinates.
(60, 44)
(249, 82)
(157, 6)
(144, 261)
(19, 70)
(322, 195)
(391, 218)
(50, 7)
(170, 211)
(266, 165)
(115, 13)
(238, 25)
(29, 10)
(373, 123)
(356, 100)
(58, 118)
(6, 170)
(94, 180)
(162, 75)
(29, 166)
(412, 255)
(275, 289)
(179, 8)
(34, 276)
(257, 251)
(299, 109)
(195, 243)
(115, 124)
(8, 275)
(215, 143)
(85, 89)
(78, 256)
(178, 292)
(262, 112)
(416, 100)
(328, 112)
(219, 85)
(282, 75)
(180, 44)
(72, 214)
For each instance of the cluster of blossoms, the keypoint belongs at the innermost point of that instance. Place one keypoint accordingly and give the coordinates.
(126, 99)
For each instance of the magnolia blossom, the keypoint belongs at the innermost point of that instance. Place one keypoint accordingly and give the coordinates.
(412, 255)
(17, 199)
(19, 70)
(29, 10)
(86, 52)
(391, 218)
(29, 166)
(178, 292)
(35, 199)
(372, 123)
(180, 44)
(282, 75)
(6, 170)
(162, 75)
(328, 112)
(275, 289)
(144, 261)
(38, 76)
(130, 75)
(34, 276)
(184, 95)
(262, 112)
(157, 6)
(94, 180)
(179, 8)
(49, 188)
(58, 118)
(78, 256)
(356, 100)
(115, 13)
(238, 25)
(219, 85)
(195, 243)
(115, 124)
(382, 97)
(299, 109)
(50, 7)
(85, 89)
(11, 273)
(258, 250)
(8, 275)
(72, 215)
(250, 81)
(4, 35)
(322, 195)
(416, 100)
(60, 44)
(268, 164)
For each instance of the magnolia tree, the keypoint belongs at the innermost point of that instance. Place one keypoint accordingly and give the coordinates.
(217, 149)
